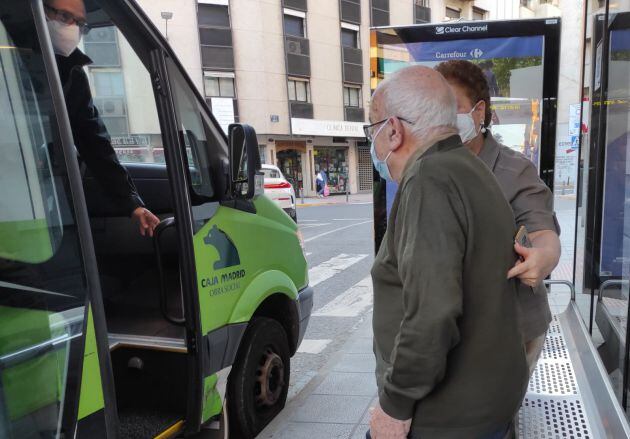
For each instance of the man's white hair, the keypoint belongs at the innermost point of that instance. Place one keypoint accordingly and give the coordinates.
(421, 96)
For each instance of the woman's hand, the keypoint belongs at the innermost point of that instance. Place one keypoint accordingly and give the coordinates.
(538, 261)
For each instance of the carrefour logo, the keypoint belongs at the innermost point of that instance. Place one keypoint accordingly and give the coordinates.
(439, 30)
(476, 53)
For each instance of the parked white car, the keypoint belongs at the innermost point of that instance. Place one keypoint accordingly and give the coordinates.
(278, 188)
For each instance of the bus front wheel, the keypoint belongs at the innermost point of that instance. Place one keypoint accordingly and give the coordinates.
(259, 381)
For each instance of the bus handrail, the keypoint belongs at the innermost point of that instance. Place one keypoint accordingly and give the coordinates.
(610, 283)
(567, 283)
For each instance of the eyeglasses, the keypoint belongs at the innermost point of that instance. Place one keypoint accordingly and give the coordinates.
(67, 18)
(369, 129)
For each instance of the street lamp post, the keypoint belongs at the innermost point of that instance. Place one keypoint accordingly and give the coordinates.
(167, 16)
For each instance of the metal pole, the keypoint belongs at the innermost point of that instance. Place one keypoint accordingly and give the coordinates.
(302, 191)
(347, 187)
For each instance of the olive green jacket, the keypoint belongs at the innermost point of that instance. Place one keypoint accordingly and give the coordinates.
(448, 349)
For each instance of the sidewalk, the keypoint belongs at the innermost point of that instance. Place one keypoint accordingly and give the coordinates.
(334, 405)
(335, 199)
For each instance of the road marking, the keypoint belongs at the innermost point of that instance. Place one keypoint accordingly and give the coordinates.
(331, 267)
(308, 254)
(310, 225)
(313, 346)
(350, 303)
(351, 219)
(335, 230)
(307, 221)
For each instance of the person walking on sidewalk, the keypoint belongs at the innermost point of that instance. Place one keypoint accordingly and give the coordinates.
(320, 181)
(530, 199)
(450, 361)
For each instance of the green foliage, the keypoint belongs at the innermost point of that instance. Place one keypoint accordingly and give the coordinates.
(502, 69)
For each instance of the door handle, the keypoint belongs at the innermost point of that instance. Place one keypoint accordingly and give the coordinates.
(157, 233)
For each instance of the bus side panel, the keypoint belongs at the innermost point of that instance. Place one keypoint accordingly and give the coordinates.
(243, 257)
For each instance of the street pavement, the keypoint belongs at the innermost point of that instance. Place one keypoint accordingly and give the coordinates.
(339, 251)
(332, 375)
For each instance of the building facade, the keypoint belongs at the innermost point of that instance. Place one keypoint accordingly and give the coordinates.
(296, 70)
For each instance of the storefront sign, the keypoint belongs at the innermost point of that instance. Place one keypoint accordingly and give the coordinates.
(130, 140)
(337, 128)
(223, 111)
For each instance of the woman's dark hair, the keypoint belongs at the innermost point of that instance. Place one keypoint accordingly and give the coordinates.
(471, 78)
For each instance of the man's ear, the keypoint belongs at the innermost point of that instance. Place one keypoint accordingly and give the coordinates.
(396, 136)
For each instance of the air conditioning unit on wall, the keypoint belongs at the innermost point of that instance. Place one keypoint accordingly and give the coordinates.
(110, 106)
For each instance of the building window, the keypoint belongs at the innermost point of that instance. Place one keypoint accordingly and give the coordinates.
(214, 16)
(380, 12)
(215, 37)
(423, 3)
(101, 45)
(352, 97)
(479, 14)
(453, 14)
(299, 90)
(525, 3)
(349, 38)
(217, 85)
(294, 26)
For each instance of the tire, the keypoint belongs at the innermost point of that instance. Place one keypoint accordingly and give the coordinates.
(259, 380)
(293, 215)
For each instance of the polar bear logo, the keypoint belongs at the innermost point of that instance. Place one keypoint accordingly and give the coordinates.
(228, 254)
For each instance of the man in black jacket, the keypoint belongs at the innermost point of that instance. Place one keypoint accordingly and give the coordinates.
(66, 22)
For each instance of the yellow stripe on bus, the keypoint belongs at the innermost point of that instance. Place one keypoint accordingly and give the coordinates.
(171, 431)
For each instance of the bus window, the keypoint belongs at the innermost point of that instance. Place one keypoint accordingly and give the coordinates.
(42, 282)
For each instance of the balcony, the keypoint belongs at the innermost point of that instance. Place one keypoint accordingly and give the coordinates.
(298, 56)
(299, 5)
(301, 110)
(352, 65)
(423, 14)
(351, 11)
(355, 114)
(217, 57)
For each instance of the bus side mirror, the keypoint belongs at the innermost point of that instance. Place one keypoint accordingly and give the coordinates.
(246, 178)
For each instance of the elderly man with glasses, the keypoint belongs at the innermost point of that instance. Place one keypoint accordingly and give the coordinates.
(450, 359)
(67, 21)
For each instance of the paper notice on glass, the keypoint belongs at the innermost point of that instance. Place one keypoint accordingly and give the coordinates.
(223, 111)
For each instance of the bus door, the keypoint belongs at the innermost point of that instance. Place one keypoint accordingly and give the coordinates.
(51, 370)
(177, 157)
(520, 60)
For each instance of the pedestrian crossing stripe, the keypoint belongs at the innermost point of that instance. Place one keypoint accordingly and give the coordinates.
(351, 303)
(309, 346)
(331, 267)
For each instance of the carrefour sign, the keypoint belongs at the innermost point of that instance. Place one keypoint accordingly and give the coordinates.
(478, 48)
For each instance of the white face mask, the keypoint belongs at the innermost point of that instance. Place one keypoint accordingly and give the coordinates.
(466, 125)
(65, 38)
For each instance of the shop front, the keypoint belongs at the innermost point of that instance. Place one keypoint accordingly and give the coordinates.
(332, 148)
(334, 162)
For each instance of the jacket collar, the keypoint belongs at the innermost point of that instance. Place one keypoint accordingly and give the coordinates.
(75, 59)
(490, 151)
(446, 144)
